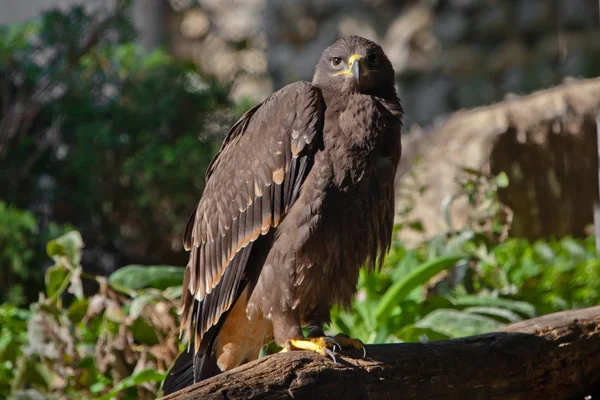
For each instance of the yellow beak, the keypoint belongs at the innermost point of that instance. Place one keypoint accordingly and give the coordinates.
(356, 65)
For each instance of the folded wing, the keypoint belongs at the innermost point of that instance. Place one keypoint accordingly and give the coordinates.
(250, 184)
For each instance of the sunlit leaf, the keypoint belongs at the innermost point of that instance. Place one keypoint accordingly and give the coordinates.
(413, 333)
(400, 289)
(520, 307)
(495, 312)
(55, 279)
(138, 304)
(138, 378)
(136, 277)
(501, 180)
(77, 310)
(454, 323)
(69, 245)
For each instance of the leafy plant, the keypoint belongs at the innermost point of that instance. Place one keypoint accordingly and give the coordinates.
(118, 341)
(91, 120)
(21, 242)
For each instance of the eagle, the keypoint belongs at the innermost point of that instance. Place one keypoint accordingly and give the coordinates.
(298, 198)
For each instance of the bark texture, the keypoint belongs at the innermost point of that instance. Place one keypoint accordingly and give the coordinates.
(556, 356)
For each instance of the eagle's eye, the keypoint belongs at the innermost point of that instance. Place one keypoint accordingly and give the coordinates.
(373, 59)
(336, 61)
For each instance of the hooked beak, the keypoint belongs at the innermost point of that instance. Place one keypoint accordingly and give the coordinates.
(356, 67)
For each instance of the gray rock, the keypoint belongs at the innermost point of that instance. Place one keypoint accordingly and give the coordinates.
(474, 92)
(534, 15)
(493, 21)
(578, 13)
(451, 26)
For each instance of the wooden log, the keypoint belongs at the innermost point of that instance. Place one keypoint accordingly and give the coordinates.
(556, 356)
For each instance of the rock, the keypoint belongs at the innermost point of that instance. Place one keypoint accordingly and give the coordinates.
(544, 142)
(255, 88)
(409, 41)
(510, 54)
(473, 92)
(351, 25)
(462, 61)
(578, 13)
(451, 26)
(426, 96)
(195, 24)
(494, 21)
(486, 48)
(533, 15)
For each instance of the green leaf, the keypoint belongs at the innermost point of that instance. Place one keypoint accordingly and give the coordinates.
(138, 304)
(454, 323)
(138, 378)
(144, 333)
(136, 277)
(69, 245)
(501, 180)
(413, 333)
(174, 292)
(520, 307)
(55, 277)
(495, 312)
(77, 310)
(402, 288)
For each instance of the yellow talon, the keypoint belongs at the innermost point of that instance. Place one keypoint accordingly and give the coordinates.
(324, 345)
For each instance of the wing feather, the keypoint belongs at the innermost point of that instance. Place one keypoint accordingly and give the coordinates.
(250, 184)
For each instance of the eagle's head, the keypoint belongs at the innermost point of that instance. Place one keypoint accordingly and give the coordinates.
(354, 64)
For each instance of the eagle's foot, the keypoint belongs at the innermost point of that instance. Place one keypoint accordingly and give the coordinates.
(324, 345)
(348, 342)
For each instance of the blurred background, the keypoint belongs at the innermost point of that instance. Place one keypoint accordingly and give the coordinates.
(110, 112)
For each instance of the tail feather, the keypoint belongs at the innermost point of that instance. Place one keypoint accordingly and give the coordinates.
(190, 368)
(181, 374)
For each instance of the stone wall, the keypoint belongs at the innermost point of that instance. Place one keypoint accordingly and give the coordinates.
(448, 54)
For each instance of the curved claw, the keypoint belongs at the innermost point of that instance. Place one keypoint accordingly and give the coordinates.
(331, 354)
(329, 339)
(364, 349)
(350, 342)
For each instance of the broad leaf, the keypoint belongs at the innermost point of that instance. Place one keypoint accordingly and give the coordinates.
(136, 277)
(400, 289)
(413, 333)
(138, 378)
(495, 312)
(69, 245)
(520, 307)
(55, 277)
(454, 323)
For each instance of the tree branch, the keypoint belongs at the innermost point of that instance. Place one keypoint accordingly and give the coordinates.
(551, 357)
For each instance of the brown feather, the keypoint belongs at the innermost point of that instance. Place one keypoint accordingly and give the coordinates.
(244, 197)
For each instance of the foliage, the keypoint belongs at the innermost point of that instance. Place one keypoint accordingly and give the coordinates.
(120, 337)
(90, 120)
(483, 288)
(119, 340)
(20, 246)
(471, 281)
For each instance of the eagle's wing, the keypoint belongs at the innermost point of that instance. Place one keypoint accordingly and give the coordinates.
(251, 183)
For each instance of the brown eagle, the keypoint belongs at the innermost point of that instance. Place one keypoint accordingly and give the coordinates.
(299, 197)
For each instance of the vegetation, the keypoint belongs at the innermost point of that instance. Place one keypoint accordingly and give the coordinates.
(95, 133)
(104, 146)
